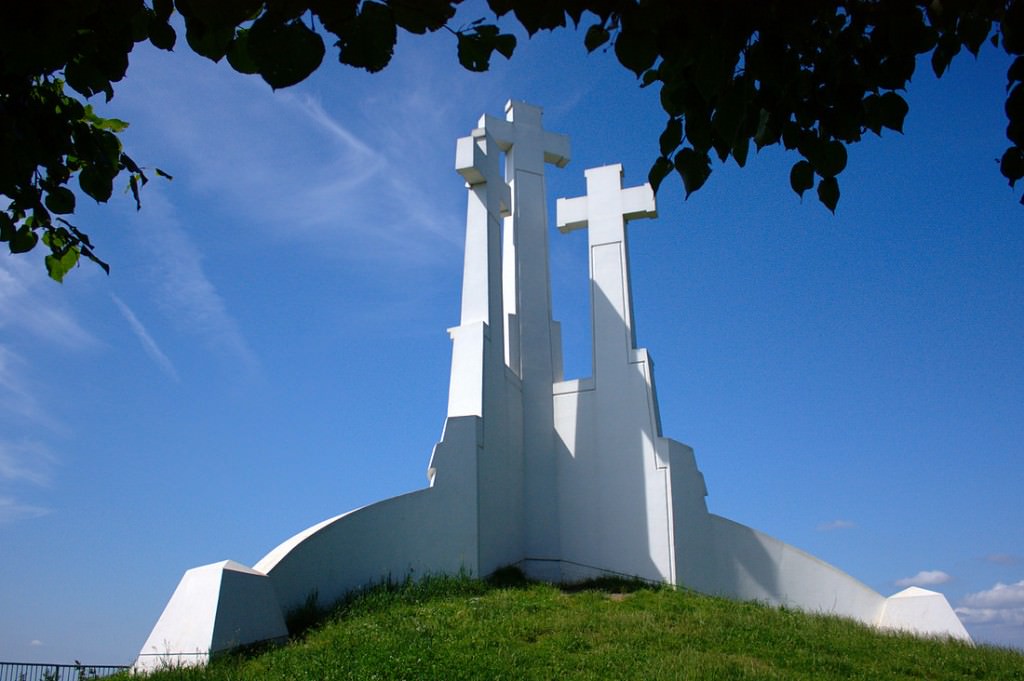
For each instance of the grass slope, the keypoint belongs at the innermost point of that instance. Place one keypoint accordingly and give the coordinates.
(458, 628)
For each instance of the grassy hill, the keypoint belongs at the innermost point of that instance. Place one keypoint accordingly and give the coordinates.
(506, 628)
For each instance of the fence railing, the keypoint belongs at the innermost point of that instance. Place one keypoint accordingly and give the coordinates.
(31, 671)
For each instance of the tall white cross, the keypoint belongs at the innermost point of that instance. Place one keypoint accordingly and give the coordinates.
(526, 281)
(478, 160)
(532, 350)
(604, 211)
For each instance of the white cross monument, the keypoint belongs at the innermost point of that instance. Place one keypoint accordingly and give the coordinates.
(566, 479)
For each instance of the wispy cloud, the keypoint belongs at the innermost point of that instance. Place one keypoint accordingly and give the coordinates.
(15, 396)
(12, 510)
(32, 312)
(184, 293)
(1002, 559)
(1002, 604)
(148, 344)
(838, 524)
(925, 578)
(31, 305)
(25, 461)
(304, 168)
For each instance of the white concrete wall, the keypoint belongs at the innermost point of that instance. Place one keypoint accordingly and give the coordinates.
(752, 566)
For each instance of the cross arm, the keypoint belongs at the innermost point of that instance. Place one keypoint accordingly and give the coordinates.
(571, 214)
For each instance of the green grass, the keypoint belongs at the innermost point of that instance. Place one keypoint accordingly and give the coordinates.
(459, 628)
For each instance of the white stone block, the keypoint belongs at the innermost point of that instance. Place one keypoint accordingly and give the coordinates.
(215, 608)
(922, 612)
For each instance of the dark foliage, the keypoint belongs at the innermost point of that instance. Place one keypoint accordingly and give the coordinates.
(812, 76)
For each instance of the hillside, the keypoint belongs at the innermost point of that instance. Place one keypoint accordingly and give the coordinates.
(506, 628)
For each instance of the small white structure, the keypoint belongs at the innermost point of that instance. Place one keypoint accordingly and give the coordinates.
(566, 479)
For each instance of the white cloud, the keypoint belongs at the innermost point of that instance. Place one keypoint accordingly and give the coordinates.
(925, 578)
(32, 310)
(1000, 596)
(148, 344)
(16, 398)
(35, 643)
(838, 524)
(11, 510)
(298, 167)
(996, 613)
(25, 461)
(1002, 559)
(185, 294)
(31, 304)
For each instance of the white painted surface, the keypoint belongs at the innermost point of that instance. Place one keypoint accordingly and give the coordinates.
(215, 608)
(567, 479)
(922, 612)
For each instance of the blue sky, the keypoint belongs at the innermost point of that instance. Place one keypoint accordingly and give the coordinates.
(270, 350)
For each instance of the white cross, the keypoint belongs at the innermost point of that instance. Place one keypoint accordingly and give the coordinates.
(606, 207)
(604, 211)
(477, 159)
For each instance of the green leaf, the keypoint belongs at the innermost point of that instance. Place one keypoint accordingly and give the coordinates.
(650, 76)
(763, 136)
(111, 124)
(661, 168)
(892, 109)
(133, 183)
(163, 9)
(87, 252)
(23, 240)
(420, 16)
(698, 129)
(828, 193)
(505, 44)
(1016, 70)
(537, 14)
(238, 53)
(597, 35)
(801, 177)
(476, 46)
(973, 30)
(1015, 103)
(96, 183)
(740, 150)
(221, 13)
(830, 159)
(162, 35)
(61, 201)
(130, 165)
(211, 43)
(83, 76)
(161, 173)
(636, 50)
(6, 227)
(1012, 165)
(285, 53)
(728, 117)
(368, 40)
(672, 136)
(59, 264)
(694, 168)
(40, 217)
(947, 48)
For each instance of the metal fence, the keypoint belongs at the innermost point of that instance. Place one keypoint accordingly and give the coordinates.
(29, 671)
